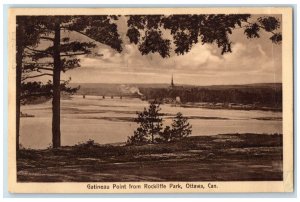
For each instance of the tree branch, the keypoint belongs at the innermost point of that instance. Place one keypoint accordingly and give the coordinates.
(47, 38)
(28, 55)
(36, 94)
(29, 77)
(74, 54)
(262, 27)
(45, 68)
(72, 30)
(37, 66)
(39, 51)
(38, 63)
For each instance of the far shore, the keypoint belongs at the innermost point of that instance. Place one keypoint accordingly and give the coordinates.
(206, 105)
(228, 106)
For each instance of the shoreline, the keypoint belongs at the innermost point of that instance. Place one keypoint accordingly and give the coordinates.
(223, 106)
(122, 144)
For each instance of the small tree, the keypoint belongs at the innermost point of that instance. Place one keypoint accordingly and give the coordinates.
(166, 134)
(139, 137)
(150, 125)
(181, 128)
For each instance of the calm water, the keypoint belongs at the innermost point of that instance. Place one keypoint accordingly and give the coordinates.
(108, 121)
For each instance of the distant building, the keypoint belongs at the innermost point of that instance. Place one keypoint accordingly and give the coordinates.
(172, 87)
(172, 82)
(178, 100)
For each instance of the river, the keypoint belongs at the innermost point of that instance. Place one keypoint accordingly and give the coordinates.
(109, 121)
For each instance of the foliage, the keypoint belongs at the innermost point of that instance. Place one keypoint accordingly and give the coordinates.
(39, 30)
(53, 51)
(31, 91)
(269, 24)
(150, 125)
(264, 96)
(187, 30)
(181, 128)
(139, 137)
(150, 128)
(36, 90)
(166, 134)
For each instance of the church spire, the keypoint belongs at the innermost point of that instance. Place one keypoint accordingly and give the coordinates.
(172, 82)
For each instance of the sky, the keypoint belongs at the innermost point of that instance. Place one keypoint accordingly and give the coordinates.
(251, 61)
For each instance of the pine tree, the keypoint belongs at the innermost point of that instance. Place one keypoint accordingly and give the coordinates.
(166, 134)
(61, 53)
(150, 125)
(181, 128)
(27, 34)
(139, 137)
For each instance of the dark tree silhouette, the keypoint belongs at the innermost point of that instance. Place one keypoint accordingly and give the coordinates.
(166, 134)
(27, 34)
(258, 95)
(139, 137)
(186, 30)
(150, 125)
(35, 90)
(181, 128)
(62, 51)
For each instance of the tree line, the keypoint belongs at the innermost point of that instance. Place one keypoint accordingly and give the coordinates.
(268, 97)
(46, 48)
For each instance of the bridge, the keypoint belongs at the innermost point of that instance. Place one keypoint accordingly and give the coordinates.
(111, 96)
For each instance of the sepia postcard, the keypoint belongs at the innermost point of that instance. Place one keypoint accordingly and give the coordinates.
(150, 100)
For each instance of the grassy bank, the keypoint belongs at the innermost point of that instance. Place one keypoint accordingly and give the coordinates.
(226, 157)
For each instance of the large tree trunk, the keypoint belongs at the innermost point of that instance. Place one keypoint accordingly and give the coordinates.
(18, 105)
(56, 89)
(19, 58)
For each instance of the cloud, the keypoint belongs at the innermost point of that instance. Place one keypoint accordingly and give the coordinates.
(250, 61)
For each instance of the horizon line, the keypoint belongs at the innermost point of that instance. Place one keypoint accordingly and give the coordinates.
(179, 83)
